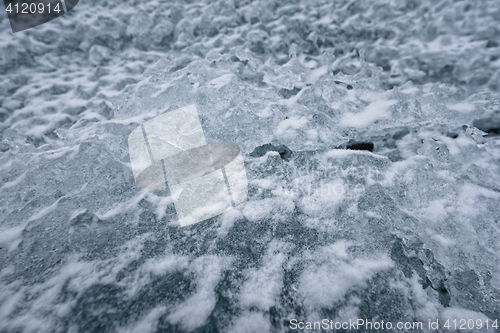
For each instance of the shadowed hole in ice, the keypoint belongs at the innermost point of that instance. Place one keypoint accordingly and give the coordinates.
(360, 146)
(284, 151)
(489, 125)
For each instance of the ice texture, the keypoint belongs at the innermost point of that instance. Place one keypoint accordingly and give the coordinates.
(369, 133)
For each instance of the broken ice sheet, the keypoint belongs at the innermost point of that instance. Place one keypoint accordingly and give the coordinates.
(414, 237)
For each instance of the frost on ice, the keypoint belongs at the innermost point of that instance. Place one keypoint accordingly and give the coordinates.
(369, 136)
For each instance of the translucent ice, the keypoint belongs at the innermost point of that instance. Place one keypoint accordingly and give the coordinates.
(368, 131)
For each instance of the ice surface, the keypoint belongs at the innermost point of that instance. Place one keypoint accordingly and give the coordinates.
(405, 229)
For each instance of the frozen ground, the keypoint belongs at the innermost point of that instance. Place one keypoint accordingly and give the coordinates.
(407, 232)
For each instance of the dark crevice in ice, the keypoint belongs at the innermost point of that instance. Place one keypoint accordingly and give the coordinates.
(288, 93)
(444, 295)
(284, 151)
(360, 146)
(490, 125)
(348, 86)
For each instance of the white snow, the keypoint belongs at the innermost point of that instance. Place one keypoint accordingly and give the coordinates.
(377, 110)
(331, 274)
(82, 248)
(462, 107)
